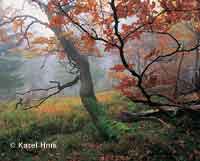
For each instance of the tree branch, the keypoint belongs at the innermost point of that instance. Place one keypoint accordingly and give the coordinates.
(58, 88)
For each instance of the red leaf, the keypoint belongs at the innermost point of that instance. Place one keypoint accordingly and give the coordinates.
(118, 68)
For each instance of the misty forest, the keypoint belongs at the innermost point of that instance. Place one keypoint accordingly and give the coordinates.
(99, 80)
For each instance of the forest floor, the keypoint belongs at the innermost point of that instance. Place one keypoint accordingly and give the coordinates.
(63, 122)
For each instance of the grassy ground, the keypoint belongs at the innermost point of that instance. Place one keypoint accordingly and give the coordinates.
(64, 123)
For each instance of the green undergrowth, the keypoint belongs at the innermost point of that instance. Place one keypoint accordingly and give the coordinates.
(77, 139)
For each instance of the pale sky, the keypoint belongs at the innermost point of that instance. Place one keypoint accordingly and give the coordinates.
(26, 8)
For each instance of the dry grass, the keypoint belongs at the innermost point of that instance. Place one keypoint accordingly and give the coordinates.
(61, 105)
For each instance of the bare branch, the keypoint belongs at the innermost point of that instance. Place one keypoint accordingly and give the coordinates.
(58, 88)
(10, 20)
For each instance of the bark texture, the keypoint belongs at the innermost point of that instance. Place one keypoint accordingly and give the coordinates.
(107, 128)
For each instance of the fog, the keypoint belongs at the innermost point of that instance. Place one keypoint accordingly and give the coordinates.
(38, 72)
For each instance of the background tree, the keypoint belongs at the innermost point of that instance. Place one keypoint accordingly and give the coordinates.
(11, 79)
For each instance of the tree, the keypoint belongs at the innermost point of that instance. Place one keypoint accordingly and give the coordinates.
(79, 24)
(11, 80)
(105, 24)
(65, 47)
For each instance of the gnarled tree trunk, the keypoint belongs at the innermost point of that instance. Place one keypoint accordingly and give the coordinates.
(107, 128)
(104, 125)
